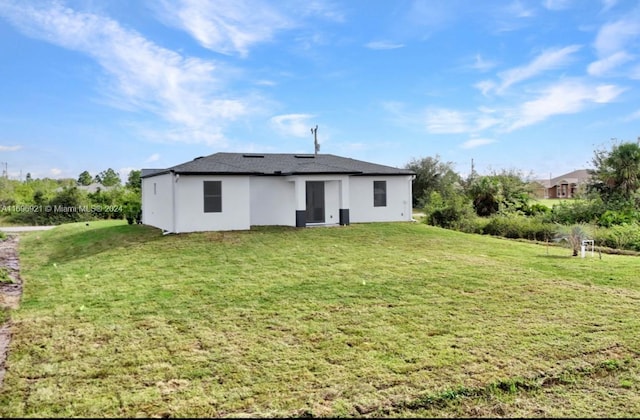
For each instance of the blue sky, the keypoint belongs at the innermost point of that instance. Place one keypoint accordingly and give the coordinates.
(534, 86)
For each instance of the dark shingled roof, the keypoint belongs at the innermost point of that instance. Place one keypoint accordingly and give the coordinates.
(276, 164)
(149, 172)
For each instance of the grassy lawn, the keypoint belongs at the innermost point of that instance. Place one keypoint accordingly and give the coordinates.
(550, 202)
(393, 320)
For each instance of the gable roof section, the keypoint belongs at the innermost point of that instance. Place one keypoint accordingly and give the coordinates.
(575, 177)
(276, 164)
(149, 172)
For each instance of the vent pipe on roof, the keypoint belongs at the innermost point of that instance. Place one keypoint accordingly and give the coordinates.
(314, 131)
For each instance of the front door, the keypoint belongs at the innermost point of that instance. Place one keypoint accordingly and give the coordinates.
(315, 202)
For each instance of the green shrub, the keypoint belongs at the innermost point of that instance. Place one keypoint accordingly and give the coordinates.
(618, 217)
(535, 209)
(624, 236)
(518, 226)
(447, 212)
(471, 224)
(577, 211)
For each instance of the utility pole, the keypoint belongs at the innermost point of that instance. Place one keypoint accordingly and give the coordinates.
(5, 171)
(314, 131)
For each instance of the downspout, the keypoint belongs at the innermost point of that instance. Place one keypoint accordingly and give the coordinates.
(173, 201)
(411, 179)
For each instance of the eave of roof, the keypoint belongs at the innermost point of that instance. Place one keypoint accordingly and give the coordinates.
(276, 164)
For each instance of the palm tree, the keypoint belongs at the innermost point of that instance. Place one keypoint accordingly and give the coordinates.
(573, 235)
(625, 160)
(617, 173)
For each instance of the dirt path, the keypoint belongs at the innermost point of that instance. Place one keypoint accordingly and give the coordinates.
(10, 292)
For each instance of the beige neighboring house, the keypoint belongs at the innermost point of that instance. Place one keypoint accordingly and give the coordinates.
(94, 187)
(563, 186)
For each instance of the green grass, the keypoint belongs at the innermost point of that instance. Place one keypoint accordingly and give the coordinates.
(550, 202)
(394, 320)
(4, 276)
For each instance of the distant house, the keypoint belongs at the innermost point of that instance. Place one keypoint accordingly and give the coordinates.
(91, 188)
(563, 186)
(234, 191)
(94, 187)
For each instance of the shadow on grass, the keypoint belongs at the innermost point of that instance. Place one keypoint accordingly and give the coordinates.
(556, 257)
(80, 240)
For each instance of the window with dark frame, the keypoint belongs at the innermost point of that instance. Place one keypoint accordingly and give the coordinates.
(212, 196)
(379, 193)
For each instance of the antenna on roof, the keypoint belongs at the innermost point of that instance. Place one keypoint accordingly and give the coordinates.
(314, 131)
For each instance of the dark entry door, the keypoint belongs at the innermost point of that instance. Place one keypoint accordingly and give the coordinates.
(315, 202)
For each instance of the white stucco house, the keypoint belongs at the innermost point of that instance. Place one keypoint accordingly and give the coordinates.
(234, 191)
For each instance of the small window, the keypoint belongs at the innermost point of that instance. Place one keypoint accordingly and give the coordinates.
(379, 193)
(212, 196)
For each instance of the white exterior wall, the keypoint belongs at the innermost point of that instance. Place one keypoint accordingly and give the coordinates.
(190, 215)
(273, 201)
(398, 206)
(157, 208)
(332, 202)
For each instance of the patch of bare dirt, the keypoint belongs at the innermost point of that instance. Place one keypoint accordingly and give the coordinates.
(10, 292)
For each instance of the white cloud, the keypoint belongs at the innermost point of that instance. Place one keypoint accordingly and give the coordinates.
(265, 83)
(567, 97)
(485, 86)
(55, 171)
(482, 64)
(186, 92)
(123, 173)
(615, 36)
(483, 122)
(9, 148)
(233, 27)
(383, 45)
(608, 4)
(226, 27)
(446, 121)
(519, 10)
(548, 60)
(633, 116)
(295, 125)
(605, 65)
(326, 10)
(557, 4)
(153, 158)
(476, 142)
(612, 42)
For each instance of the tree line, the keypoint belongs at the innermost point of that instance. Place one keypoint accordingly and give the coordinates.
(503, 203)
(46, 201)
